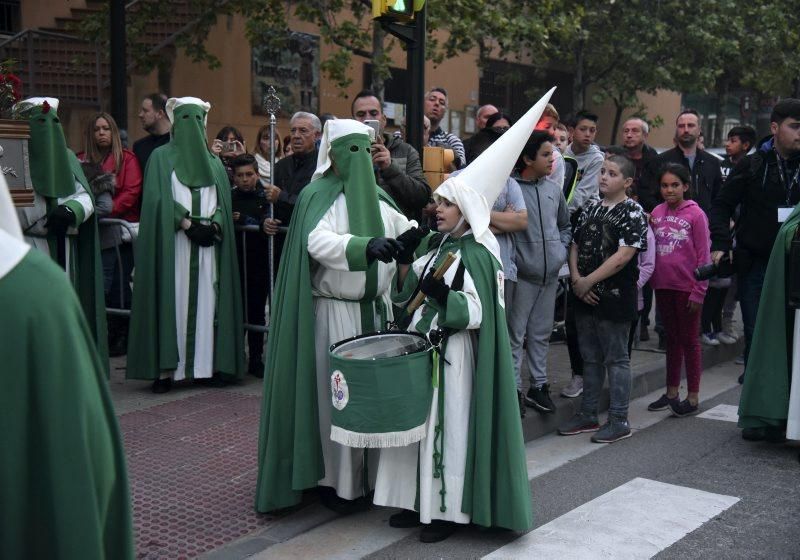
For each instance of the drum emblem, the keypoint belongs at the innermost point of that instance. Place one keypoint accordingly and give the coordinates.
(339, 392)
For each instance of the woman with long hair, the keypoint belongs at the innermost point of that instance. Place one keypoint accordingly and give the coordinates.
(228, 145)
(262, 151)
(102, 146)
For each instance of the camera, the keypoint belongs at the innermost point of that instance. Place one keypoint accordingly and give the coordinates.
(376, 129)
(721, 270)
(228, 147)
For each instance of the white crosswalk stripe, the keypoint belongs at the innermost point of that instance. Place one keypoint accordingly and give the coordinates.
(725, 412)
(621, 524)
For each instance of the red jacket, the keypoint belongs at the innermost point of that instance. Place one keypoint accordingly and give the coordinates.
(128, 194)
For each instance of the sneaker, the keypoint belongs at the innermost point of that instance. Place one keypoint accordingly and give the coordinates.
(684, 408)
(662, 342)
(739, 361)
(613, 430)
(709, 339)
(663, 403)
(521, 400)
(579, 424)
(725, 338)
(574, 389)
(539, 398)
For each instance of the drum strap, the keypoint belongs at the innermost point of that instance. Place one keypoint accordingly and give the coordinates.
(438, 437)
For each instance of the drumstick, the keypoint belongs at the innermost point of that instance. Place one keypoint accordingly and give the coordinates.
(420, 297)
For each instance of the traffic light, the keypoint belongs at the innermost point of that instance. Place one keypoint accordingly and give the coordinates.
(396, 9)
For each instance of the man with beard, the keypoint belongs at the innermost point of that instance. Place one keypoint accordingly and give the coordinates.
(153, 117)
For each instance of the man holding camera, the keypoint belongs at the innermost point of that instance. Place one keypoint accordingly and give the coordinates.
(398, 169)
(767, 186)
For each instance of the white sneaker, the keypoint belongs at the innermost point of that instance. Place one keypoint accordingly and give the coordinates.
(574, 389)
(725, 338)
(709, 339)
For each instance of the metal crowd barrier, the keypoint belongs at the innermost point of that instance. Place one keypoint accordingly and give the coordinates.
(132, 232)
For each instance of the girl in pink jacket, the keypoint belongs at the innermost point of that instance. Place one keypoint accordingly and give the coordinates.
(682, 245)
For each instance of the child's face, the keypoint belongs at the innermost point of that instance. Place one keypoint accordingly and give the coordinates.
(584, 133)
(447, 215)
(734, 147)
(245, 178)
(672, 189)
(547, 124)
(612, 181)
(561, 139)
(543, 164)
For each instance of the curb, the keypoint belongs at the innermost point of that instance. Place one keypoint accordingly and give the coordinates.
(645, 380)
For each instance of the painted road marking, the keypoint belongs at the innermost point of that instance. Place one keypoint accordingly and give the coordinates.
(621, 524)
(725, 412)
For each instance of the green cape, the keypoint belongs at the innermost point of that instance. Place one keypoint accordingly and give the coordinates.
(152, 342)
(289, 446)
(496, 487)
(63, 482)
(765, 393)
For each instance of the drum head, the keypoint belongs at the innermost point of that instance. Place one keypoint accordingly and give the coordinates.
(380, 345)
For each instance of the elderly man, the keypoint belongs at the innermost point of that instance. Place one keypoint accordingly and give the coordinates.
(186, 317)
(333, 284)
(704, 168)
(398, 169)
(61, 223)
(435, 109)
(481, 116)
(634, 138)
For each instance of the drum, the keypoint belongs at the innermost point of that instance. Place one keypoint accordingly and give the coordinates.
(380, 389)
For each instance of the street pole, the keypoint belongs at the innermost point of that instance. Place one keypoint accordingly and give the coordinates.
(416, 69)
(119, 88)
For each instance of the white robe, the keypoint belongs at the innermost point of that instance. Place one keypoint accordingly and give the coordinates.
(793, 419)
(396, 484)
(336, 293)
(32, 219)
(206, 287)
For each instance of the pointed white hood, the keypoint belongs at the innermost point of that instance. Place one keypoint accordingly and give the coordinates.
(335, 128)
(477, 187)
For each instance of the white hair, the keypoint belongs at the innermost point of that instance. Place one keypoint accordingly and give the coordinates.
(315, 122)
(645, 126)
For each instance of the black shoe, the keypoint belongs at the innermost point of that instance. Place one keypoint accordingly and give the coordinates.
(539, 398)
(741, 379)
(404, 519)
(437, 531)
(753, 434)
(330, 500)
(683, 408)
(644, 335)
(774, 435)
(215, 381)
(162, 385)
(256, 368)
(663, 403)
(662, 342)
(521, 400)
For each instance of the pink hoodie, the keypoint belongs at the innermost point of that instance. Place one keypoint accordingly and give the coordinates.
(682, 244)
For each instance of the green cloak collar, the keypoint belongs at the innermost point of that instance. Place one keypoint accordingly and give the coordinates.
(765, 393)
(49, 156)
(193, 161)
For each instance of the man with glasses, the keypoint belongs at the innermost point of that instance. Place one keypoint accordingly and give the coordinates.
(398, 169)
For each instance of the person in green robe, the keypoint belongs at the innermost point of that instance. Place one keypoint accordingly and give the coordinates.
(61, 223)
(471, 466)
(63, 483)
(769, 407)
(333, 283)
(186, 314)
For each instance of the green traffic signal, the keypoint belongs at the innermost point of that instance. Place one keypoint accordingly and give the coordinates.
(402, 7)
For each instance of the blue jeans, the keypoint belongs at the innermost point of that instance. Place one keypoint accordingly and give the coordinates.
(604, 346)
(749, 285)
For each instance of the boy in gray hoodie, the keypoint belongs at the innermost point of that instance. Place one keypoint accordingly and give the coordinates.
(590, 160)
(541, 252)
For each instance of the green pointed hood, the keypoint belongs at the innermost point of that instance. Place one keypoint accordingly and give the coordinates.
(51, 172)
(193, 159)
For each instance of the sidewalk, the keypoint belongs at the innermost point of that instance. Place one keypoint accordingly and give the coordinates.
(192, 452)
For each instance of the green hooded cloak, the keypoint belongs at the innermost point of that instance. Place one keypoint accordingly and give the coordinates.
(63, 482)
(152, 342)
(765, 393)
(289, 447)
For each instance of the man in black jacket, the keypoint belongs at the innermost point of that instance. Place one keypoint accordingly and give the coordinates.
(398, 169)
(703, 167)
(766, 186)
(634, 140)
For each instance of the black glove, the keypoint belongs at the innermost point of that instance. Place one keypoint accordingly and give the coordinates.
(202, 234)
(60, 219)
(410, 240)
(383, 248)
(434, 288)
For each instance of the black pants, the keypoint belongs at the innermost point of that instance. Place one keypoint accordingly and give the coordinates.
(712, 310)
(255, 283)
(571, 331)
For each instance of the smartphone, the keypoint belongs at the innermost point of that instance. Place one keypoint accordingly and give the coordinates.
(228, 147)
(376, 129)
